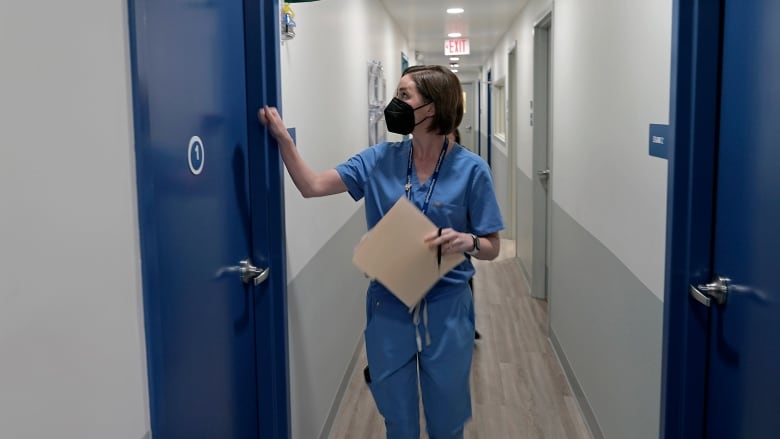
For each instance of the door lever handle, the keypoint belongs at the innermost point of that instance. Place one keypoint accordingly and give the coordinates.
(716, 290)
(545, 173)
(699, 296)
(249, 273)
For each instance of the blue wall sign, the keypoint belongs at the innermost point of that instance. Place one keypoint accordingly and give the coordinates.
(659, 135)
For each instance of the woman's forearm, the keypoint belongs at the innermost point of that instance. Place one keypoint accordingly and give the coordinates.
(308, 182)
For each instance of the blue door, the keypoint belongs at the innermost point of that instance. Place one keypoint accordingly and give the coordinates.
(744, 351)
(209, 207)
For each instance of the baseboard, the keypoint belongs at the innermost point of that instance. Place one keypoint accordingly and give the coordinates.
(582, 400)
(334, 408)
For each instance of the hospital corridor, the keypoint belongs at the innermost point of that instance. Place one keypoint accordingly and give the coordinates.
(400, 219)
(518, 387)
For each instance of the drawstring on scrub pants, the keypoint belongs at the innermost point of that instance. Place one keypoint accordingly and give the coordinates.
(416, 320)
(423, 303)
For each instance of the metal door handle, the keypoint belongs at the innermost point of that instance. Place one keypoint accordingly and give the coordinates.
(250, 273)
(716, 290)
(699, 296)
(544, 173)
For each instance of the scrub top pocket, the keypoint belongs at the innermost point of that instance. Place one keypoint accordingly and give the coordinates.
(449, 215)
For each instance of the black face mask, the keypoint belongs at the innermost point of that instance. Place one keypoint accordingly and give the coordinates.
(399, 117)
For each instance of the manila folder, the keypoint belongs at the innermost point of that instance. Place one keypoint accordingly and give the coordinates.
(394, 253)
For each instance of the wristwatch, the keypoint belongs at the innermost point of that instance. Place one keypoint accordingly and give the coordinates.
(475, 250)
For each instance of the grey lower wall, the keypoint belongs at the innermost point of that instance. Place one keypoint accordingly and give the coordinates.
(326, 310)
(607, 328)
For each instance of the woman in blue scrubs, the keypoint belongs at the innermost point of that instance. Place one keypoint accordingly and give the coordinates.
(454, 188)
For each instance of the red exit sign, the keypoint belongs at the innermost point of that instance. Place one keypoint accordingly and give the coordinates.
(456, 47)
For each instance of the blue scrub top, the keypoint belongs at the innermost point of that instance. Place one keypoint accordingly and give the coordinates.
(463, 199)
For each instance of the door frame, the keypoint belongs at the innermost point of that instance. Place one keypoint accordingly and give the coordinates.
(262, 41)
(511, 139)
(693, 132)
(264, 87)
(478, 133)
(541, 134)
(489, 141)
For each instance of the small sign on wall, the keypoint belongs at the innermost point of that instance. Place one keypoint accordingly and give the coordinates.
(291, 130)
(659, 137)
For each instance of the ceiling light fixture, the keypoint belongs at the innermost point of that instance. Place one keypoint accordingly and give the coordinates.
(454, 65)
(454, 70)
(454, 58)
(454, 34)
(455, 10)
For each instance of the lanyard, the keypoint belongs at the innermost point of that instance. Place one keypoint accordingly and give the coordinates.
(434, 177)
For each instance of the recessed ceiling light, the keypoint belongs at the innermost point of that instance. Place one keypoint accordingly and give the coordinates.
(454, 65)
(454, 70)
(454, 58)
(454, 34)
(455, 10)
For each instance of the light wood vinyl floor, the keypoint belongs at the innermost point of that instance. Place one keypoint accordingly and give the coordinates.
(518, 390)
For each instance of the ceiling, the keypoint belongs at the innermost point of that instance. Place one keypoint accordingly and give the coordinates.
(426, 24)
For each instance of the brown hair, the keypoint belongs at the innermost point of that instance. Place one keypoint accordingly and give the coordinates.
(442, 87)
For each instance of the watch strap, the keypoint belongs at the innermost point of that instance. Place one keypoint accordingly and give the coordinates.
(475, 249)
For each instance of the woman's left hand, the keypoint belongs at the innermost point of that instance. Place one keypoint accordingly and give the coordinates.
(451, 241)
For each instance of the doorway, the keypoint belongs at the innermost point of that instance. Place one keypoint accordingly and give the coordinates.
(541, 120)
(469, 117)
(722, 304)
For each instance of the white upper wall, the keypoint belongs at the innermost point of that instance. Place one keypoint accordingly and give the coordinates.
(611, 72)
(72, 356)
(522, 38)
(325, 98)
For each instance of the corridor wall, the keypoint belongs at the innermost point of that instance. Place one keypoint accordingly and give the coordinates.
(72, 354)
(610, 80)
(325, 97)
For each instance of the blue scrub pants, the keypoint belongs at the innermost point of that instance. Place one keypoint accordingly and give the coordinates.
(444, 364)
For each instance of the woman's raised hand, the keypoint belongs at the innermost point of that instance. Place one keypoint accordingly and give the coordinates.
(269, 116)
